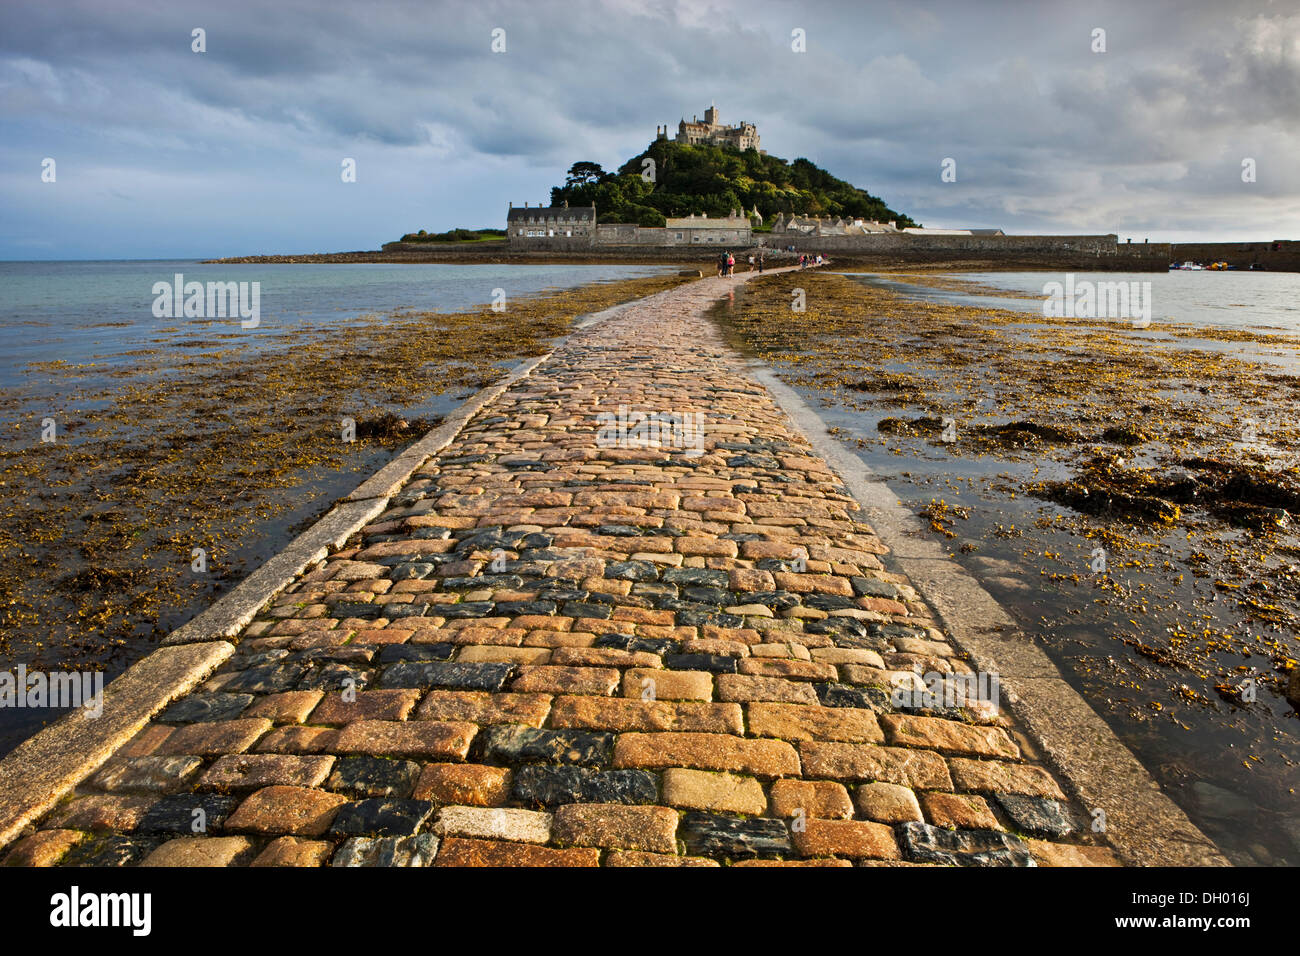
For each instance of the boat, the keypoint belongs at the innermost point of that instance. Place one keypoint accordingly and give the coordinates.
(1186, 267)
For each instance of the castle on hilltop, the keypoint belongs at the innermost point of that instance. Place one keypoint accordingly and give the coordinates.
(713, 133)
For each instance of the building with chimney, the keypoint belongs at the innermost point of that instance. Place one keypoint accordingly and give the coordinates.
(551, 222)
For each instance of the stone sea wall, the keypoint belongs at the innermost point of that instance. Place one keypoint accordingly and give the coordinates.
(1091, 252)
(1279, 255)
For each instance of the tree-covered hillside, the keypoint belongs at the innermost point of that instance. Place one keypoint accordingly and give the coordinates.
(713, 180)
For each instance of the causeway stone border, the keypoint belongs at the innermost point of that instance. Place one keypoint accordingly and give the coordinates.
(1145, 826)
(41, 769)
(230, 613)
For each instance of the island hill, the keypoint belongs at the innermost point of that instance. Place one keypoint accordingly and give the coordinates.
(712, 186)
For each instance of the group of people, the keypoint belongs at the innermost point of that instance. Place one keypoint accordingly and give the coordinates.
(727, 264)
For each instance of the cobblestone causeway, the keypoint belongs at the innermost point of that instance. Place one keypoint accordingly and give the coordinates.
(552, 650)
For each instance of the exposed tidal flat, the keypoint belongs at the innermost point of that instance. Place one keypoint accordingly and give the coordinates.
(1128, 493)
(178, 434)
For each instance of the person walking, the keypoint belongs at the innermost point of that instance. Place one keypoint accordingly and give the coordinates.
(722, 264)
(760, 262)
(731, 264)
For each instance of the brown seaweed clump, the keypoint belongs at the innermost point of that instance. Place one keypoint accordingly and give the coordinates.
(1104, 487)
(388, 428)
(1242, 494)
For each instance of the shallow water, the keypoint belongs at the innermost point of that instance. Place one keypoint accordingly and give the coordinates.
(101, 312)
(1238, 299)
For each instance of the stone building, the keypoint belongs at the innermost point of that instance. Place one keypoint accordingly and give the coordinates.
(564, 227)
(713, 133)
(551, 222)
(826, 226)
(920, 231)
(795, 225)
(735, 229)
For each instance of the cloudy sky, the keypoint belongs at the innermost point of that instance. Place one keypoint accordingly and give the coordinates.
(164, 152)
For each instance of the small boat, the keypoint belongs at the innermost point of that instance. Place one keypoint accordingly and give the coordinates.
(1186, 267)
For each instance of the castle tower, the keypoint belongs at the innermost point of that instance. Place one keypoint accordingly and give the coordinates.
(711, 131)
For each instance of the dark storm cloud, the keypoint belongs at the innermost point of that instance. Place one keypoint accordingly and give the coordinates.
(1147, 137)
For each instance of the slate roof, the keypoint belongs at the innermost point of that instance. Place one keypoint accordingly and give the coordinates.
(580, 213)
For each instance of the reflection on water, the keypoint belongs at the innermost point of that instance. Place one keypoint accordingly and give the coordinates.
(1229, 299)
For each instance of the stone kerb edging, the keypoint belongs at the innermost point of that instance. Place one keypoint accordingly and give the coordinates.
(41, 769)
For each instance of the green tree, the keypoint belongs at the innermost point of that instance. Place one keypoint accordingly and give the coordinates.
(714, 180)
(584, 174)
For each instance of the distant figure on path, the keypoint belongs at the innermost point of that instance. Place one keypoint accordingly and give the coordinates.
(731, 264)
(722, 263)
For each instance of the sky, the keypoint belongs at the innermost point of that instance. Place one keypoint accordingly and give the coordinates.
(160, 151)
